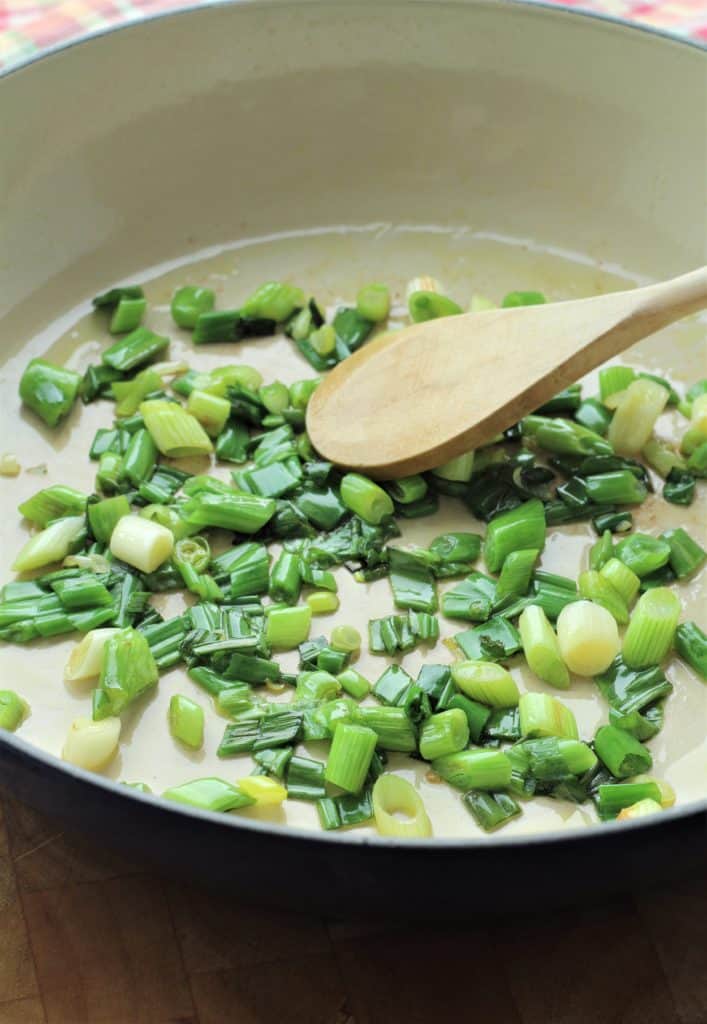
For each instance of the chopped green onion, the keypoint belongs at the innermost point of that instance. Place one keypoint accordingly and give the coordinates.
(615, 797)
(273, 301)
(242, 513)
(613, 379)
(77, 592)
(407, 490)
(275, 397)
(513, 299)
(392, 726)
(346, 639)
(516, 573)
(210, 794)
(9, 466)
(248, 569)
(301, 392)
(352, 329)
(211, 411)
(628, 690)
(53, 503)
(477, 715)
(365, 498)
(323, 340)
(128, 669)
(140, 458)
(354, 683)
(691, 645)
(543, 715)
(564, 437)
(588, 638)
(398, 809)
(277, 728)
(621, 753)
(618, 488)
(286, 579)
(13, 710)
(103, 516)
(52, 544)
(350, 756)
(86, 658)
(444, 733)
(624, 581)
(49, 390)
(642, 553)
(92, 744)
(567, 400)
(541, 647)
(135, 349)
(127, 315)
(217, 326)
(318, 685)
(651, 631)
(111, 298)
(615, 522)
(188, 303)
(697, 463)
(128, 394)
(472, 599)
(475, 769)
(458, 470)
(426, 305)
(679, 488)
(635, 417)
(345, 810)
(594, 416)
(593, 586)
(266, 792)
(195, 551)
(373, 302)
(305, 778)
(495, 640)
(519, 529)
(686, 555)
(176, 433)
(411, 581)
(231, 444)
(486, 682)
(276, 762)
(602, 551)
(323, 602)
(550, 759)
(141, 542)
(642, 809)
(288, 627)
(456, 552)
(662, 458)
(491, 811)
(186, 721)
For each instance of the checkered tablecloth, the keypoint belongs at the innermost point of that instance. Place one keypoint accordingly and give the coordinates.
(29, 26)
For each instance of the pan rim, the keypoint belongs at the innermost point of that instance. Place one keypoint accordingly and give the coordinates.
(693, 809)
(549, 9)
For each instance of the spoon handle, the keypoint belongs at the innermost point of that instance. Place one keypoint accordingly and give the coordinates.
(633, 315)
(671, 300)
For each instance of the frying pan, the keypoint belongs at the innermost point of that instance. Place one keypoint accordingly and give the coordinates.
(193, 129)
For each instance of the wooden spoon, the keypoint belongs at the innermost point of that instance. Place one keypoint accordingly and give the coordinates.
(415, 398)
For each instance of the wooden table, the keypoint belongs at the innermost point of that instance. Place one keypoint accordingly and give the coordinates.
(89, 938)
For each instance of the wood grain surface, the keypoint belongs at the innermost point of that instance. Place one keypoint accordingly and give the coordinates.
(86, 937)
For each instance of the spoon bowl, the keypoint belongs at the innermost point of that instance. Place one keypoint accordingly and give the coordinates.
(415, 398)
